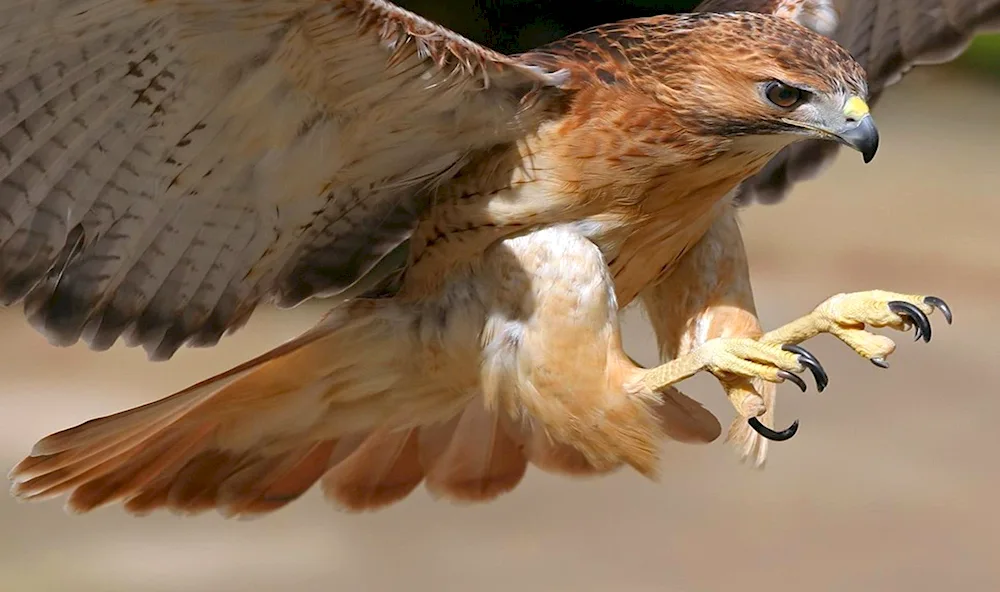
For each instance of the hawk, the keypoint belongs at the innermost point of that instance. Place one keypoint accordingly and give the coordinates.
(477, 221)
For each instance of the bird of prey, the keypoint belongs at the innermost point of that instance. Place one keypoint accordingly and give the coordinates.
(477, 221)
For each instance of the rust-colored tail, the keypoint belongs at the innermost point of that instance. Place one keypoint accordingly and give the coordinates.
(324, 408)
(183, 451)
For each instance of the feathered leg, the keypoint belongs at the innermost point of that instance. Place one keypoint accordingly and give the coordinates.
(553, 357)
(707, 296)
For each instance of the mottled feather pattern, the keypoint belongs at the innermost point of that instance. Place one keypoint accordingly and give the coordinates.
(818, 15)
(660, 57)
(629, 156)
(219, 154)
(709, 295)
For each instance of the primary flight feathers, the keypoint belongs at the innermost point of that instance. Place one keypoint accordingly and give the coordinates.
(167, 166)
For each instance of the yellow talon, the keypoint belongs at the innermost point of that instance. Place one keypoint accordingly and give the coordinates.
(845, 316)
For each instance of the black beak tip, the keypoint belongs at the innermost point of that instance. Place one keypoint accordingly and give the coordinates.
(868, 152)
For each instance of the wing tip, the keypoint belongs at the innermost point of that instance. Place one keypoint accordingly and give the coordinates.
(65, 321)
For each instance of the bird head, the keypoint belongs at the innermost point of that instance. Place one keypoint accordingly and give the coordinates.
(762, 82)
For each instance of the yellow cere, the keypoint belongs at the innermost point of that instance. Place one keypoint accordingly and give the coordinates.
(855, 108)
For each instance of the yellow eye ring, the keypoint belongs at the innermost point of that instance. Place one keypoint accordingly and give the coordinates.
(782, 95)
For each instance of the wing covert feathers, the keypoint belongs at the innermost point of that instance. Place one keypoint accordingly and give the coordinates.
(166, 166)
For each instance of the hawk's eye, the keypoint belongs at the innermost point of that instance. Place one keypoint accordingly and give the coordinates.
(783, 95)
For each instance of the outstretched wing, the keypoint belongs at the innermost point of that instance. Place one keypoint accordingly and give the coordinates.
(166, 166)
(888, 38)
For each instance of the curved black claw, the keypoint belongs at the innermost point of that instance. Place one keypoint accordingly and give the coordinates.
(880, 362)
(916, 316)
(793, 378)
(770, 434)
(809, 361)
(940, 305)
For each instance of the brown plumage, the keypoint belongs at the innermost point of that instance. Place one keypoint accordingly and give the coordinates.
(481, 219)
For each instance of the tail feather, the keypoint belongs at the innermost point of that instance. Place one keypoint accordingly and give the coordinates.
(317, 409)
(294, 481)
(172, 453)
(73, 451)
(142, 421)
(105, 432)
(434, 440)
(195, 487)
(155, 497)
(42, 477)
(236, 484)
(560, 459)
(70, 463)
(65, 480)
(383, 470)
(68, 469)
(165, 455)
(480, 461)
(253, 490)
(479, 455)
(685, 420)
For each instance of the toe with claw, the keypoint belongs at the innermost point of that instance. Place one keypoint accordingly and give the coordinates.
(776, 356)
(916, 317)
(736, 361)
(846, 316)
(809, 361)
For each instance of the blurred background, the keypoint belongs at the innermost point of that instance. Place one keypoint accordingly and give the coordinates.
(891, 484)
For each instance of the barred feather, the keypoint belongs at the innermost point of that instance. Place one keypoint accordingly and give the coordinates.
(205, 156)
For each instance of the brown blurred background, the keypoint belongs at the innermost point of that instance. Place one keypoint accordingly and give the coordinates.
(891, 484)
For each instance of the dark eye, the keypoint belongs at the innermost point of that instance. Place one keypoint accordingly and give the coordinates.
(783, 95)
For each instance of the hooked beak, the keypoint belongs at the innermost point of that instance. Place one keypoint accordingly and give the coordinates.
(859, 131)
